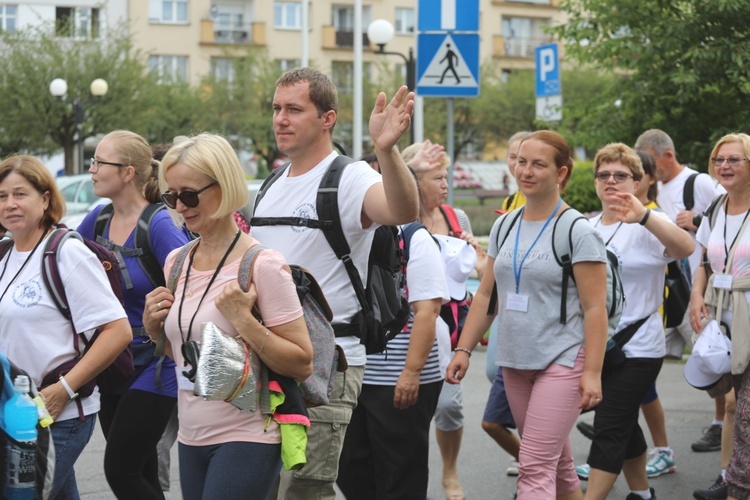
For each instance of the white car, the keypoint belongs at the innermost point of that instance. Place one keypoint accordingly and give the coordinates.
(78, 191)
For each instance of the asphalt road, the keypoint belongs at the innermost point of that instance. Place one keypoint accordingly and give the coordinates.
(482, 463)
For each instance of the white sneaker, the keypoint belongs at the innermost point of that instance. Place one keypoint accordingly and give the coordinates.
(512, 469)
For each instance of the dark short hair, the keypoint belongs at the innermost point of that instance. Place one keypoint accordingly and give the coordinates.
(323, 92)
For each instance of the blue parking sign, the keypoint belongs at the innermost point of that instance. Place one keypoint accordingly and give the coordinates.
(547, 71)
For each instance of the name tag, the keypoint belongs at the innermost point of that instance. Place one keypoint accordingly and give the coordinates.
(517, 302)
(723, 281)
(183, 384)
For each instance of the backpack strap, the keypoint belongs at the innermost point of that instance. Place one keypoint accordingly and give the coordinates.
(688, 192)
(407, 231)
(328, 211)
(5, 245)
(562, 248)
(268, 182)
(711, 212)
(452, 219)
(142, 242)
(502, 234)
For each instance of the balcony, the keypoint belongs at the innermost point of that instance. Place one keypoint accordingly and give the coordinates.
(517, 46)
(215, 34)
(333, 39)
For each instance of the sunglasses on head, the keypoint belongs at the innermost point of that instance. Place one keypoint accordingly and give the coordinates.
(188, 197)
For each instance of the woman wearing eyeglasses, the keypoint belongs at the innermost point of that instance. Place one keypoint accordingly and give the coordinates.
(224, 453)
(133, 420)
(33, 332)
(644, 242)
(726, 240)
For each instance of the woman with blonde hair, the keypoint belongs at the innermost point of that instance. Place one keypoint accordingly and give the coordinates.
(134, 419)
(33, 332)
(224, 452)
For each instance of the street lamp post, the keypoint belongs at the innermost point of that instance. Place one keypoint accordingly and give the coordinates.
(98, 88)
(380, 32)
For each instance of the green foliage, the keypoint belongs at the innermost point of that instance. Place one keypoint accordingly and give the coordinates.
(580, 193)
(681, 66)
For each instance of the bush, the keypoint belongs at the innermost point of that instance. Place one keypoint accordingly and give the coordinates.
(580, 192)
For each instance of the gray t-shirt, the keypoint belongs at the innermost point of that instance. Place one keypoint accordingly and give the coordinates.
(535, 339)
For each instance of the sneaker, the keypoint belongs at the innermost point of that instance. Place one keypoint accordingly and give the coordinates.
(636, 496)
(711, 440)
(512, 469)
(586, 429)
(719, 490)
(660, 462)
(583, 471)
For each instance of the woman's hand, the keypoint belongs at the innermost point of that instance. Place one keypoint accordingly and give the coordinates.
(155, 310)
(628, 208)
(429, 156)
(590, 388)
(55, 398)
(457, 368)
(698, 311)
(236, 305)
(407, 390)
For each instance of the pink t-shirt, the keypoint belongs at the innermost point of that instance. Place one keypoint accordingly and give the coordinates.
(214, 422)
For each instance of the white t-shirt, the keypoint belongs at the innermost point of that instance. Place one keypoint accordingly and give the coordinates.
(713, 241)
(296, 196)
(642, 265)
(33, 333)
(670, 200)
(425, 280)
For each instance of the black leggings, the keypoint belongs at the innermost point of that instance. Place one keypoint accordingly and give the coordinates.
(133, 423)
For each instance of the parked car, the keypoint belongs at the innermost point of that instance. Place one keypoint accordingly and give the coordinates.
(78, 191)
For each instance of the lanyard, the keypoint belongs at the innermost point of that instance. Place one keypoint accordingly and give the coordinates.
(517, 269)
(613, 234)
(205, 292)
(726, 218)
(5, 267)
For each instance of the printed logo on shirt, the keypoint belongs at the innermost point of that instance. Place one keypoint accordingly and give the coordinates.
(304, 211)
(27, 294)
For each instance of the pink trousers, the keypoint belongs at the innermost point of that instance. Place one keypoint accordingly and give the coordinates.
(544, 404)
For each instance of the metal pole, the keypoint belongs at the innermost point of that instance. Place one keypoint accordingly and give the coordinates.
(411, 82)
(450, 148)
(78, 108)
(305, 56)
(357, 113)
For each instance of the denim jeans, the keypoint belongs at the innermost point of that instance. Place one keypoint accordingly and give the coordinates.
(70, 438)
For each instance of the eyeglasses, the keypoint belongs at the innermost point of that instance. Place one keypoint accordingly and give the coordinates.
(732, 161)
(189, 198)
(95, 164)
(619, 176)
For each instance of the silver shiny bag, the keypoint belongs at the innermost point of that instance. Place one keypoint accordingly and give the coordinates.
(228, 369)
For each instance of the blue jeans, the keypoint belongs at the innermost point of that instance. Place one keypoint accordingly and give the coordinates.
(70, 438)
(228, 471)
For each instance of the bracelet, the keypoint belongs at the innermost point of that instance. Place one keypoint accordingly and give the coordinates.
(463, 350)
(645, 217)
(70, 392)
(265, 339)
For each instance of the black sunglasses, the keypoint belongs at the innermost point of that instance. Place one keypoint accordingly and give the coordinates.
(189, 198)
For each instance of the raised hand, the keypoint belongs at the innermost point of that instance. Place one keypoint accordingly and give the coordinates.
(389, 122)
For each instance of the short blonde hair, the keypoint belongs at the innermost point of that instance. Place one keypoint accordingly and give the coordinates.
(619, 152)
(213, 156)
(743, 139)
(39, 176)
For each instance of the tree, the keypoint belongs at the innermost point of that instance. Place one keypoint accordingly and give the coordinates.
(37, 123)
(681, 66)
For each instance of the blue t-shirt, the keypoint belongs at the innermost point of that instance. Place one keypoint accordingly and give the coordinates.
(165, 236)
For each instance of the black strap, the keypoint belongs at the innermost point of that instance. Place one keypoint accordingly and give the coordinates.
(493, 297)
(623, 336)
(272, 177)
(688, 192)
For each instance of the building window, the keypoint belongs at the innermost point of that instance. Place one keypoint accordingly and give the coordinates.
(222, 69)
(77, 22)
(287, 64)
(404, 21)
(169, 69)
(522, 35)
(168, 11)
(8, 18)
(287, 15)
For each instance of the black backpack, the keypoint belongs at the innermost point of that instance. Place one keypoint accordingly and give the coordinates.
(142, 244)
(384, 310)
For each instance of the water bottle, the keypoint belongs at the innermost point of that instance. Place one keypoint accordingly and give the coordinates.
(20, 414)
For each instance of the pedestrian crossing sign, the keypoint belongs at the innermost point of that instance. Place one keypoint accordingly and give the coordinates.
(448, 65)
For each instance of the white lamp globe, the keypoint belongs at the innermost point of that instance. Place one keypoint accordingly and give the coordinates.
(380, 32)
(58, 87)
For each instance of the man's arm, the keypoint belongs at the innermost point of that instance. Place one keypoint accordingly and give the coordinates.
(395, 201)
